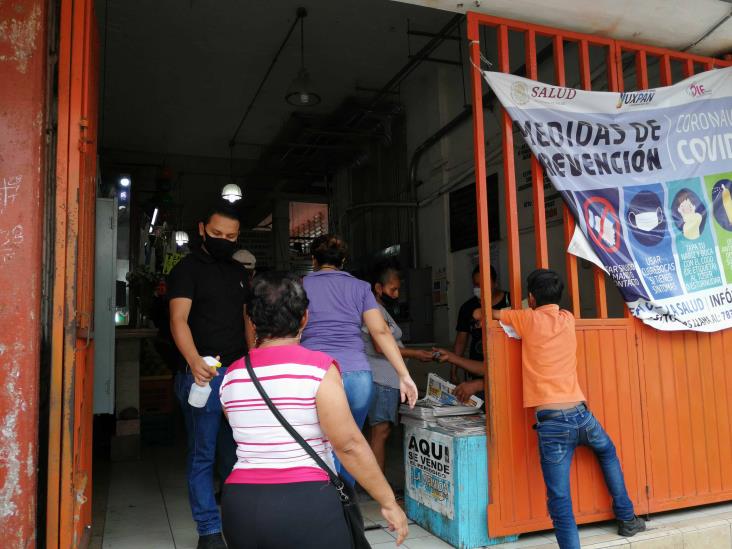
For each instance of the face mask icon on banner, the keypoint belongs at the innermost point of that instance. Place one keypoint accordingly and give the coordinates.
(645, 221)
(605, 230)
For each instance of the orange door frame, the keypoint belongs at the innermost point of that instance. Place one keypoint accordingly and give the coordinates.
(70, 439)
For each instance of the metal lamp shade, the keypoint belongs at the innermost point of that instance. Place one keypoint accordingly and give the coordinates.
(300, 94)
(231, 192)
(181, 238)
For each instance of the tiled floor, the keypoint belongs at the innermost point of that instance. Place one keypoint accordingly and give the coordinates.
(147, 508)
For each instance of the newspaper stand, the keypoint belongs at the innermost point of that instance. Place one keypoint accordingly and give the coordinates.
(446, 485)
(445, 461)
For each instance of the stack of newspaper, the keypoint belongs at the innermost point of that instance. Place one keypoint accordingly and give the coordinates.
(439, 402)
(420, 416)
(464, 425)
(442, 393)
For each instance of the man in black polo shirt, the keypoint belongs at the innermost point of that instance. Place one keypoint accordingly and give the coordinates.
(208, 294)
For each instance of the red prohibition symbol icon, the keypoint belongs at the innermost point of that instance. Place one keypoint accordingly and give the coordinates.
(603, 223)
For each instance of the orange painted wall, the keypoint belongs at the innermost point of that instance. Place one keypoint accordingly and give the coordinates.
(22, 131)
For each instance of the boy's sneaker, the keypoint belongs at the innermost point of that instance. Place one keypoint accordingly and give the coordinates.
(629, 528)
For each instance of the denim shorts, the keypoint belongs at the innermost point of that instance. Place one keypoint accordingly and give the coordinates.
(385, 405)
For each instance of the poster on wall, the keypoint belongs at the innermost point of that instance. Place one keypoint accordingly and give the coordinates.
(429, 474)
(648, 178)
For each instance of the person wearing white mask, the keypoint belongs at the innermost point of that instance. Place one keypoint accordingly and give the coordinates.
(248, 261)
(469, 333)
(246, 258)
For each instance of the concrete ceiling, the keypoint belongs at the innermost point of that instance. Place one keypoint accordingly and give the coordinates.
(674, 24)
(178, 74)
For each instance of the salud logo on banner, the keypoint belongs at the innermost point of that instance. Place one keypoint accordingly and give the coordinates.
(648, 177)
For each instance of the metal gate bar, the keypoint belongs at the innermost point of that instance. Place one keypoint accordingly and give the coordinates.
(537, 173)
(569, 224)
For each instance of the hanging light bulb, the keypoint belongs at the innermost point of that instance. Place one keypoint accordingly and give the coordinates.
(181, 238)
(231, 192)
(300, 93)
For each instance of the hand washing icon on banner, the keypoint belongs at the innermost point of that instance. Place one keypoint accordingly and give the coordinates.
(603, 224)
(689, 214)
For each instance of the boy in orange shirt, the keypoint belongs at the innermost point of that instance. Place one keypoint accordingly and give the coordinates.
(563, 421)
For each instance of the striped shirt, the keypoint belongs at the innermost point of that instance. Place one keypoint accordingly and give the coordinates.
(266, 453)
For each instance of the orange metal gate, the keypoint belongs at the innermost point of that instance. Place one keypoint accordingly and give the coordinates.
(664, 403)
(70, 429)
(685, 377)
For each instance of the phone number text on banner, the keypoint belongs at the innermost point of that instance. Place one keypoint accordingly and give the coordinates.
(648, 177)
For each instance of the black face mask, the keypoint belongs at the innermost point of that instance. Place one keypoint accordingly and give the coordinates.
(390, 304)
(219, 248)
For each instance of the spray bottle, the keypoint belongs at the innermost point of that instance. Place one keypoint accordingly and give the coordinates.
(199, 393)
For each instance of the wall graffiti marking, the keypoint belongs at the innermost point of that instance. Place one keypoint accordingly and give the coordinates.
(10, 241)
(9, 189)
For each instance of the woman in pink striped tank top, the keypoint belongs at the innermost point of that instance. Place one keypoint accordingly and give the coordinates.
(277, 496)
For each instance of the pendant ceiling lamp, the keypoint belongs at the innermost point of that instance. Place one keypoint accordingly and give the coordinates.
(300, 93)
(231, 192)
(181, 238)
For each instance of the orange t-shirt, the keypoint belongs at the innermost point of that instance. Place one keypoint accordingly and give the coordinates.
(548, 352)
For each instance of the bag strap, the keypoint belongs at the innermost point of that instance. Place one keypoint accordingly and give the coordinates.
(334, 478)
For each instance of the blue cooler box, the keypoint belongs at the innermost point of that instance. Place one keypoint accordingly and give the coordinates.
(446, 485)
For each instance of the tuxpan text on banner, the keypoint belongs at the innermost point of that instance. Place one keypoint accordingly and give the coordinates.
(648, 177)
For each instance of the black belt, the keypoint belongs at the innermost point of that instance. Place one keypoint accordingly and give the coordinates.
(553, 414)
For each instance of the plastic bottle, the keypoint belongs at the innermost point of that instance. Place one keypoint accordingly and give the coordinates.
(198, 396)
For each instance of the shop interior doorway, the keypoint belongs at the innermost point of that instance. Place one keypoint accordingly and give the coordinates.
(297, 115)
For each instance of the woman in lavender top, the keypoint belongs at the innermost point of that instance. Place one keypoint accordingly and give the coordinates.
(339, 305)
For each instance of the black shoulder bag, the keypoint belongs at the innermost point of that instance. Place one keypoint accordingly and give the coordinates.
(354, 520)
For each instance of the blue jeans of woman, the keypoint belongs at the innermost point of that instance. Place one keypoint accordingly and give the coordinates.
(209, 434)
(359, 387)
(560, 432)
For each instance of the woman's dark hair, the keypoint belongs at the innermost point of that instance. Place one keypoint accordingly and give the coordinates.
(383, 270)
(329, 249)
(494, 274)
(546, 287)
(222, 208)
(277, 304)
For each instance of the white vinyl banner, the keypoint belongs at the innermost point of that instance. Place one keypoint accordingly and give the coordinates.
(648, 178)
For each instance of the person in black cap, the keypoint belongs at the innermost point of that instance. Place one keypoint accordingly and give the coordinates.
(208, 292)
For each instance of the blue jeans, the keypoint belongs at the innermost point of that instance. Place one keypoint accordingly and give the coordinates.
(208, 433)
(560, 432)
(359, 387)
